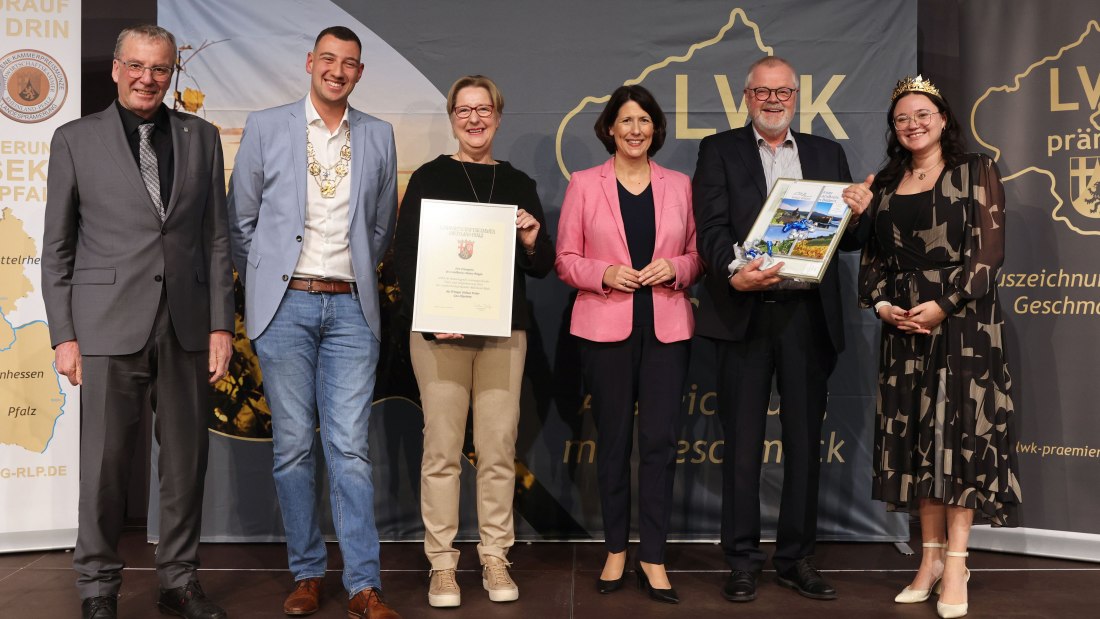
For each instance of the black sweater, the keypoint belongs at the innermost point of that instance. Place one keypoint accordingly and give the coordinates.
(444, 179)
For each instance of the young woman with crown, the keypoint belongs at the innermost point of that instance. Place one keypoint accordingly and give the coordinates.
(943, 442)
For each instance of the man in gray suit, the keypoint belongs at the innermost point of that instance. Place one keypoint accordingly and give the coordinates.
(138, 290)
(312, 205)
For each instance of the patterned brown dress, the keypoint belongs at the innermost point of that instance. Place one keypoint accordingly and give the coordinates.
(943, 406)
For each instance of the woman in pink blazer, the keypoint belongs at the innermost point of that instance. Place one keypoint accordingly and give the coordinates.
(626, 242)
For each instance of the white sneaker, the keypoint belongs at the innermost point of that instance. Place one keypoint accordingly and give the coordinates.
(443, 589)
(495, 580)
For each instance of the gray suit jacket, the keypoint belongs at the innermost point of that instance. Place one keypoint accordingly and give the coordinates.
(107, 256)
(267, 207)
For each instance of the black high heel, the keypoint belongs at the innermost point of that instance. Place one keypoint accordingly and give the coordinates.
(668, 596)
(610, 586)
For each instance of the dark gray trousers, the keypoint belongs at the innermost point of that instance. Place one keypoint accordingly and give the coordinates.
(164, 379)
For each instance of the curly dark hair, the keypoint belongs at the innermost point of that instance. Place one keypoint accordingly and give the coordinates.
(645, 100)
(898, 158)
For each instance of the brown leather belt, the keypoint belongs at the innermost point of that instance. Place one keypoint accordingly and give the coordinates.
(317, 286)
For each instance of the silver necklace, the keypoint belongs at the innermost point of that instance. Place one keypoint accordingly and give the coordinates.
(491, 187)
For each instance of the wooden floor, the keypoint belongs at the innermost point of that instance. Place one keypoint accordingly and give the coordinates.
(558, 580)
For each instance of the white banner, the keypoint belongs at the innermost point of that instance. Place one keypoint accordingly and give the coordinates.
(39, 410)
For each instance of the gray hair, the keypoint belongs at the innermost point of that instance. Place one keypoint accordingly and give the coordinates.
(148, 31)
(771, 61)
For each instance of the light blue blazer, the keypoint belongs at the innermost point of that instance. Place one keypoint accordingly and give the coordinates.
(267, 207)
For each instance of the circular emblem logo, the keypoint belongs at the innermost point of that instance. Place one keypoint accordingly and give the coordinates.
(32, 86)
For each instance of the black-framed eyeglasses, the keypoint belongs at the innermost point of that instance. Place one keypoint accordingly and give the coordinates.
(483, 111)
(763, 94)
(135, 70)
(922, 117)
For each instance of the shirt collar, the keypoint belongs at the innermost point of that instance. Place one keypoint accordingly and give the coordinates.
(131, 121)
(314, 118)
(787, 141)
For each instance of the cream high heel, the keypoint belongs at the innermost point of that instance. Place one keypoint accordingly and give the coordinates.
(952, 611)
(909, 595)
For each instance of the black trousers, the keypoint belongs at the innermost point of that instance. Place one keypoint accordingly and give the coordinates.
(787, 339)
(645, 370)
(117, 391)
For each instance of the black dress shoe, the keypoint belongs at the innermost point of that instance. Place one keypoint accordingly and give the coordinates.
(803, 578)
(668, 596)
(190, 602)
(99, 607)
(740, 586)
(609, 586)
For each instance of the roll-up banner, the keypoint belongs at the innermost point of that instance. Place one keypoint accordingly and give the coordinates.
(39, 411)
(1029, 82)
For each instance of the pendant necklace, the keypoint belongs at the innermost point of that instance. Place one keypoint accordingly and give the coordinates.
(921, 174)
(471, 182)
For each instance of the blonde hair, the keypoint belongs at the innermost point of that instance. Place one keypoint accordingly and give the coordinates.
(475, 81)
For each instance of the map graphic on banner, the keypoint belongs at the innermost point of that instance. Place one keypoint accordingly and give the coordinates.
(31, 400)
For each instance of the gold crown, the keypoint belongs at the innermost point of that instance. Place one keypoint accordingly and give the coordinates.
(914, 84)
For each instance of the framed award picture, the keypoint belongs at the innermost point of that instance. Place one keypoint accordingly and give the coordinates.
(800, 225)
(465, 268)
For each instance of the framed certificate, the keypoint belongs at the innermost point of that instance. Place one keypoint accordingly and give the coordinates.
(801, 225)
(465, 268)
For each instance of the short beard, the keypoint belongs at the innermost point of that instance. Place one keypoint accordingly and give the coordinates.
(760, 121)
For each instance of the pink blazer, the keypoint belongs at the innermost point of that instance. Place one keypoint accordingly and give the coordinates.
(591, 238)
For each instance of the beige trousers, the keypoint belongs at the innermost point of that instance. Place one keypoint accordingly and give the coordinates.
(449, 372)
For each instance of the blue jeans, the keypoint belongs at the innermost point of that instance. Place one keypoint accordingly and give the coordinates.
(319, 358)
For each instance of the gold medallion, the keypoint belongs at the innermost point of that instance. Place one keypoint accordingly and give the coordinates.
(328, 177)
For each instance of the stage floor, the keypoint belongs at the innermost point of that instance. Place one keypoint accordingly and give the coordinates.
(558, 580)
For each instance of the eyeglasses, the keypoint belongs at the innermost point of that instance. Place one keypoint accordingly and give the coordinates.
(763, 94)
(135, 70)
(922, 117)
(483, 111)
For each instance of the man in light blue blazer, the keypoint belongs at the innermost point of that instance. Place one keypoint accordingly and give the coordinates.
(312, 205)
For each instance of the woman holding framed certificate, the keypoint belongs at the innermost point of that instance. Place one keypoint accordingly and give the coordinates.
(453, 369)
(626, 242)
(943, 441)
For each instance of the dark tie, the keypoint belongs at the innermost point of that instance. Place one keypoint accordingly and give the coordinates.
(150, 172)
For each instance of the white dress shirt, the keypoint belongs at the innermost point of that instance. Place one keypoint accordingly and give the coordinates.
(326, 253)
(781, 162)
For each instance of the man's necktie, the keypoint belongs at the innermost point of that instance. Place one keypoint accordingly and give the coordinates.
(150, 173)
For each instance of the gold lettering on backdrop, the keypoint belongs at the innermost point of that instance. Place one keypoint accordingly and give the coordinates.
(34, 6)
(1091, 88)
(581, 447)
(37, 28)
(19, 147)
(13, 171)
(31, 472)
(737, 109)
(683, 132)
(1056, 104)
(1036, 449)
(810, 107)
(23, 170)
(737, 116)
(702, 451)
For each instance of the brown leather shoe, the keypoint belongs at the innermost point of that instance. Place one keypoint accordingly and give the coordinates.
(305, 599)
(368, 604)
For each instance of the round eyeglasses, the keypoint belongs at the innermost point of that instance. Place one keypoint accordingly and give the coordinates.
(921, 117)
(763, 94)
